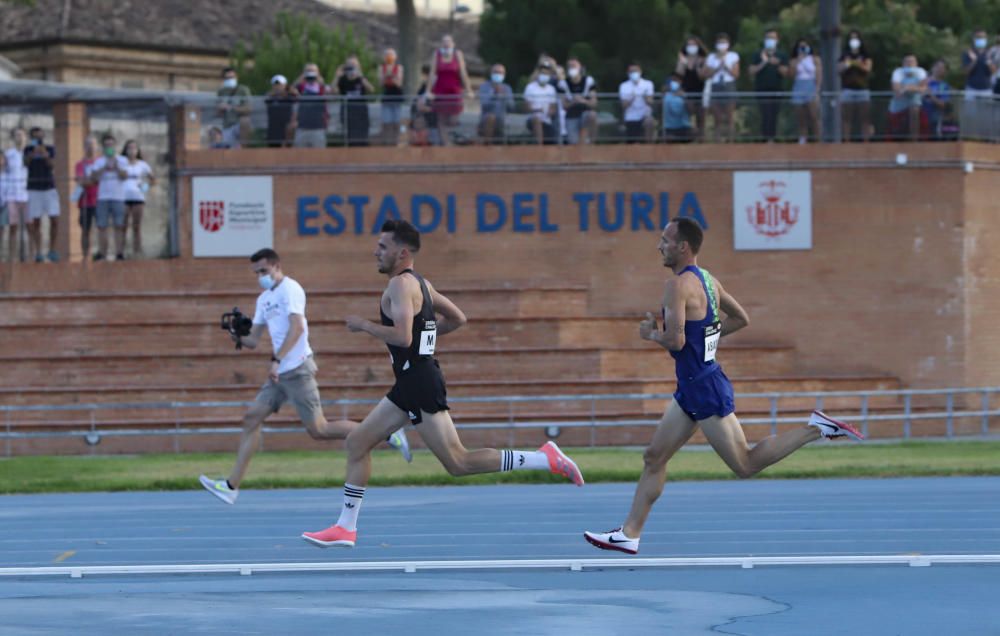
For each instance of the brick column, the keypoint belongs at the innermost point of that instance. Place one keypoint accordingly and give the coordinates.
(71, 127)
(185, 134)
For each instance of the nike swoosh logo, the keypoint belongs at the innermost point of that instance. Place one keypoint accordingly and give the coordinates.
(612, 540)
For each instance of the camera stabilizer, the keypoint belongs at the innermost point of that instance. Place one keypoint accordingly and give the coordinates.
(237, 324)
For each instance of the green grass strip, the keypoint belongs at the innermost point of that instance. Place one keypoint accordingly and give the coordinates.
(325, 469)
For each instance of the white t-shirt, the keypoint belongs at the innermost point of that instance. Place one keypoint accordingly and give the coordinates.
(714, 62)
(14, 179)
(111, 186)
(274, 306)
(137, 173)
(638, 109)
(907, 75)
(540, 98)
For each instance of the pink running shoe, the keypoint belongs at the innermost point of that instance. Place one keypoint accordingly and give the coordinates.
(830, 428)
(561, 464)
(334, 536)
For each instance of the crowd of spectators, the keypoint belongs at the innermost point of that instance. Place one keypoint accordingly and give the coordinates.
(559, 103)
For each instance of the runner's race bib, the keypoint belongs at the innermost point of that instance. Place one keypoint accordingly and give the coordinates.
(712, 334)
(428, 338)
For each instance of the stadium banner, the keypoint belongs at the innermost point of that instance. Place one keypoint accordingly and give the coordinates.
(772, 210)
(232, 216)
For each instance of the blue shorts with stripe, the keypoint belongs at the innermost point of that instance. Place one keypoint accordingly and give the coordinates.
(706, 395)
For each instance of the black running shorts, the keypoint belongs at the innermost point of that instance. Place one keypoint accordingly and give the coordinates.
(420, 388)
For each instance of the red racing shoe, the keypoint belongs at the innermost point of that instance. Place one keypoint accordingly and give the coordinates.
(561, 464)
(332, 537)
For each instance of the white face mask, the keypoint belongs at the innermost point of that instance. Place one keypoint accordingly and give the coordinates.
(770, 43)
(447, 50)
(229, 82)
(855, 44)
(634, 76)
(497, 78)
(543, 78)
(691, 49)
(265, 281)
(722, 47)
(675, 85)
(980, 43)
(573, 72)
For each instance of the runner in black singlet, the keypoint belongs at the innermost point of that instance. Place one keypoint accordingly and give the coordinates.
(414, 315)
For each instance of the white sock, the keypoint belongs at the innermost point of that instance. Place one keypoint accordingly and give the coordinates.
(352, 505)
(523, 460)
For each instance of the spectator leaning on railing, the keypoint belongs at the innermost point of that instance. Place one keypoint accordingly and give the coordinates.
(690, 66)
(807, 69)
(579, 100)
(351, 84)
(540, 100)
(390, 78)
(676, 119)
(15, 188)
(43, 198)
(423, 121)
(768, 70)
(636, 96)
(233, 106)
(855, 68)
(85, 194)
(311, 117)
(909, 83)
(496, 99)
(280, 103)
(722, 69)
(937, 103)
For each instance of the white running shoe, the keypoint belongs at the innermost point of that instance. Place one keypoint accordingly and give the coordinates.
(831, 428)
(398, 441)
(612, 540)
(220, 488)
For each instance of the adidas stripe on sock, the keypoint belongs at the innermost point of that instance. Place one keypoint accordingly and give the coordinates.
(522, 460)
(352, 505)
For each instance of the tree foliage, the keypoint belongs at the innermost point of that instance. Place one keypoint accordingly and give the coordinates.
(296, 41)
(608, 35)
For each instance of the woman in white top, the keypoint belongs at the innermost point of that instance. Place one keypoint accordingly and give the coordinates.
(807, 69)
(140, 177)
(721, 70)
(15, 189)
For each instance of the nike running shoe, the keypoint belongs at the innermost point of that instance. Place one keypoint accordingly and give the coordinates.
(612, 540)
(398, 441)
(561, 464)
(830, 428)
(220, 488)
(332, 537)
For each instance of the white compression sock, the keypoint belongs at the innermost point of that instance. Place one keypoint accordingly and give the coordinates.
(352, 505)
(523, 460)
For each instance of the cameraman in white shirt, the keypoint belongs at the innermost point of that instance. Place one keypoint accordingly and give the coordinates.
(281, 309)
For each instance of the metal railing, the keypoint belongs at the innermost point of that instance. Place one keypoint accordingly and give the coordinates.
(947, 407)
(755, 117)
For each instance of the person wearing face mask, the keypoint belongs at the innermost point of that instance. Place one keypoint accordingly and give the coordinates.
(579, 99)
(855, 68)
(768, 70)
(390, 77)
(676, 119)
(690, 65)
(448, 81)
(540, 100)
(979, 71)
(906, 117)
(233, 106)
(352, 84)
(807, 69)
(496, 99)
(291, 375)
(636, 96)
(109, 173)
(311, 116)
(722, 68)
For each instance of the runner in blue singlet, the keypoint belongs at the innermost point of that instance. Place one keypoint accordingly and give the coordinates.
(696, 313)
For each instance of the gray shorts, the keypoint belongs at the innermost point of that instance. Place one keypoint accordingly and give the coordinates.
(310, 138)
(391, 112)
(855, 96)
(297, 386)
(110, 210)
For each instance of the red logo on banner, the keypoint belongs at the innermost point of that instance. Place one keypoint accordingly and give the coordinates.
(212, 215)
(774, 215)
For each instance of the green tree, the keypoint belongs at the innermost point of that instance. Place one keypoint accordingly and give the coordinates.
(296, 41)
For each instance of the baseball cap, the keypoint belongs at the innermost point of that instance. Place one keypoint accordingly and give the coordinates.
(279, 79)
